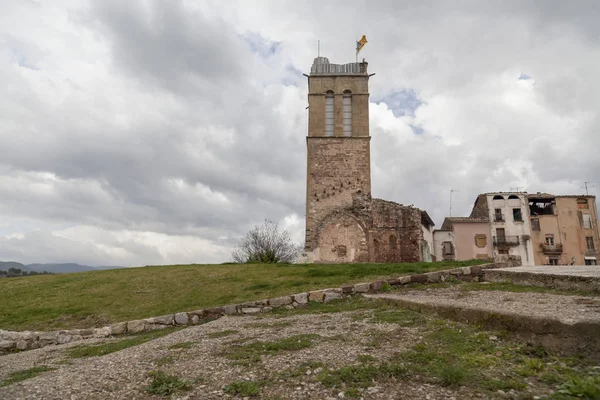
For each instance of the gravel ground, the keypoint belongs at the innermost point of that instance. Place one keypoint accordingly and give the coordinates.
(567, 309)
(123, 374)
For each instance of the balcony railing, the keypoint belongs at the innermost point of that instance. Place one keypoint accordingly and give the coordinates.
(551, 248)
(506, 240)
(498, 218)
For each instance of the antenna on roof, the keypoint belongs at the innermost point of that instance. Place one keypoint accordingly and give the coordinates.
(585, 184)
(318, 48)
(516, 189)
(452, 191)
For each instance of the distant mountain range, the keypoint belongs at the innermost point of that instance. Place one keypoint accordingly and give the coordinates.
(52, 268)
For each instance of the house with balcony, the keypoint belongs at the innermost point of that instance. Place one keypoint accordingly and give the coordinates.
(509, 224)
(564, 229)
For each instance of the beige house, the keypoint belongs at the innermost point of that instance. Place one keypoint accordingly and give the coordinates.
(564, 229)
(463, 239)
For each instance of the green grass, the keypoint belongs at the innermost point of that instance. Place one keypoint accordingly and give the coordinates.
(97, 298)
(244, 388)
(163, 384)
(22, 375)
(251, 353)
(182, 345)
(220, 334)
(111, 347)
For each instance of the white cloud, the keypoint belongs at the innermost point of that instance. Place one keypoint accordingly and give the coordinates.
(135, 133)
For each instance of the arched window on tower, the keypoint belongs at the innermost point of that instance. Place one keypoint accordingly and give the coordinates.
(329, 113)
(347, 113)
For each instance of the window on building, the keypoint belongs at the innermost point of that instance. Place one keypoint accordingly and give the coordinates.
(347, 113)
(503, 251)
(447, 248)
(590, 262)
(480, 240)
(535, 224)
(498, 197)
(498, 215)
(589, 241)
(582, 204)
(392, 242)
(587, 221)
(517, 214)
(329, 118)
(553, 260)
(550, 239)
(513, 197)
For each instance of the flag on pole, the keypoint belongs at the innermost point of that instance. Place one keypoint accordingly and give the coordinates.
(360, 44)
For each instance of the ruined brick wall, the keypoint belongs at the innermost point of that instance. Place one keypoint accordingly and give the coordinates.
(337, 169)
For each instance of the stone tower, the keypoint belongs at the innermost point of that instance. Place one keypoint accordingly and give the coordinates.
(338, 165)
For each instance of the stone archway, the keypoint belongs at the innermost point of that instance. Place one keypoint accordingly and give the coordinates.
(342, 239)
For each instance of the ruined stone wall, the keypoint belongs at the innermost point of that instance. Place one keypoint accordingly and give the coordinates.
(337, 169)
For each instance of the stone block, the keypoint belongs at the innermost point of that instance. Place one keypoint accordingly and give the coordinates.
(329, 296)
(102, 332)
(118, 328)
(433, 277)
(22, 345)
(86, 332)
(466, 270)
(182, 318)
(195, 319)
(164, 319)
(136, 326)
(301, 298)
(404, 280)
(62, 339)
(230, 309)
(362, 287)
(347, 289)
(455, 271)
(376, 286)
(316, 295)
(266, 309)
(214, 311)
(250, 310)
(476, 270)
(392, 282)
(280, 301)
(419, 278)
(48, 336)
(7, 344)
(76, 338)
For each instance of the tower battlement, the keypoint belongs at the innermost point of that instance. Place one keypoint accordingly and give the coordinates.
(322, 66)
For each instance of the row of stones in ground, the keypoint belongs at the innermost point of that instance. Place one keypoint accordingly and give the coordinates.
(32, 340)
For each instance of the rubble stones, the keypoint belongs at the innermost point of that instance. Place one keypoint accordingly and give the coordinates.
(119, 328)
(301, 298)
(362, 287)
(280, 301)
(181, 318)
(329, 296)
(316, 295)
(136, 326)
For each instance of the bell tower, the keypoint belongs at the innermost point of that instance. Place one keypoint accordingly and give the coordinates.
(338, 147)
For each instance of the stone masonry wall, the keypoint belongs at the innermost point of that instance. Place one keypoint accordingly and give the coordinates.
(337, 168)
(14, 341)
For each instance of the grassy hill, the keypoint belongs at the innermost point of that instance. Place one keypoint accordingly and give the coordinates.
(96, 298)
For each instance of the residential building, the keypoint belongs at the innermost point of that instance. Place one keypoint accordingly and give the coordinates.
(564, 229)
(508, 215)
(443, 245)
(470, 238)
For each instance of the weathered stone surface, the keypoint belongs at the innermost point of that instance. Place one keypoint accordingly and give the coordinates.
(76, 338)
(266, 309)
(288, 307)
(7, 344)
(136, 326)
(433, 277)
(301, 298)
(280, 301)
(392, 282)
(250, 310)
(62, 339)
(22, 345)
(230, 309)
(362, 287)
(329, 296)
(48, 336)
(404, 280)
(476, 270)
(347, 289)
(215, 311)
(102, 332)
(466, 270)
(195, 319)
(376, 286)
(181, 318)
(455, 271)
(119, 328)
(316, 295)
(419, 278)
(164, 319)
(86, 332)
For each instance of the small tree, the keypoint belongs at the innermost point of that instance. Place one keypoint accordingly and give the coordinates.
(266, 244)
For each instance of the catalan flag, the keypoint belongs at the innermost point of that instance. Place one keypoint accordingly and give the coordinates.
(360, 44)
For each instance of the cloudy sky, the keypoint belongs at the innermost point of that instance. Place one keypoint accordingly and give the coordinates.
(159, 132)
